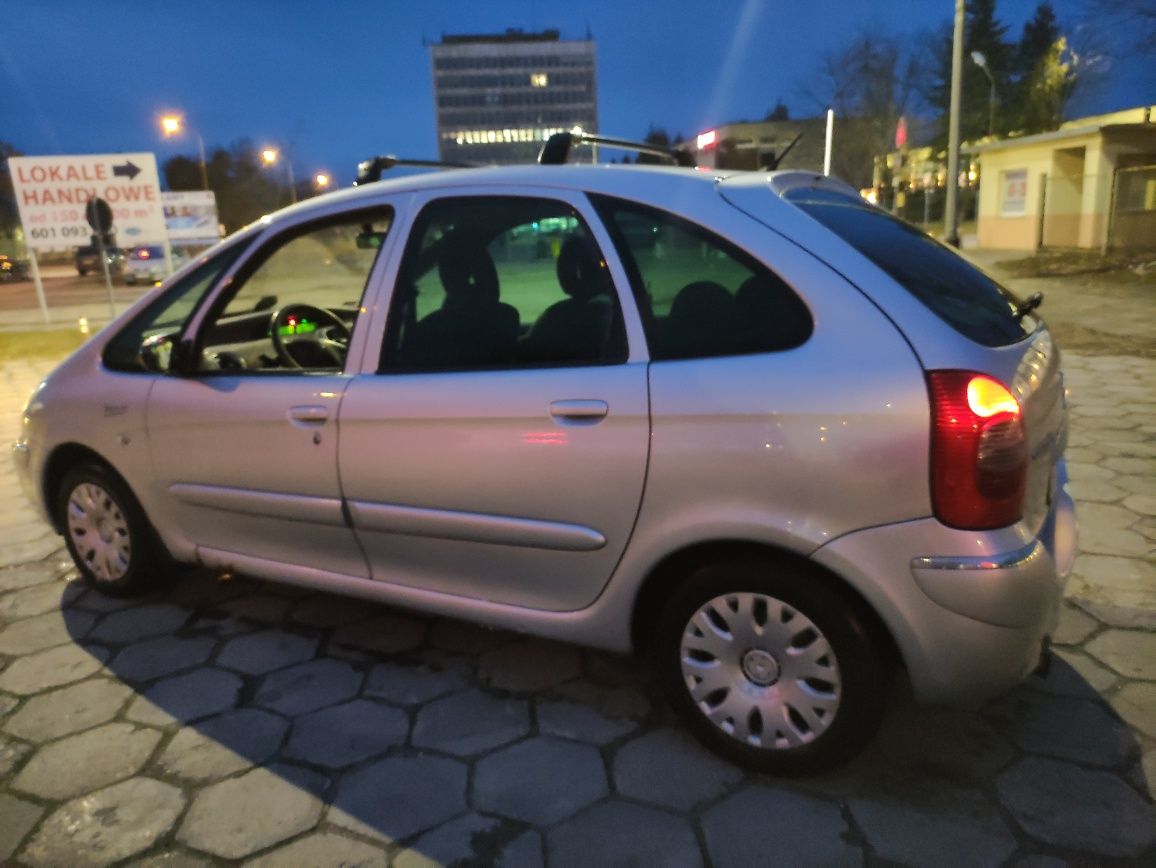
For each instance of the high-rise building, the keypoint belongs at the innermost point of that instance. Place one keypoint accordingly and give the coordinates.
(500, 96)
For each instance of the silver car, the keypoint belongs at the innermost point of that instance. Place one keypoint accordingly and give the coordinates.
(746, 424)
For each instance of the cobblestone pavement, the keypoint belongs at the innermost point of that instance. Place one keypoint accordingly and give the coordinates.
(237, 721)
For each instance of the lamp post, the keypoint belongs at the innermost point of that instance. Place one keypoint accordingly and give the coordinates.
(321, 181)
(270, 157)
(981, 61)
(173, 125)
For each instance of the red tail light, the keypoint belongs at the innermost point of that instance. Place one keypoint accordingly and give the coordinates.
(979, 459)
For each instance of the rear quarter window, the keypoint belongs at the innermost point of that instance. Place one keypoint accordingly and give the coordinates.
(955, 290)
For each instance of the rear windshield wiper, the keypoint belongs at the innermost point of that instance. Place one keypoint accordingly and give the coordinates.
(1028, 305)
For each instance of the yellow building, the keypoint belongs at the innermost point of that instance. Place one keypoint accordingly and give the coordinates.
(1091, 183)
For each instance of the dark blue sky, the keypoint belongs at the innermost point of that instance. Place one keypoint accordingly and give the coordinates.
(334, 82)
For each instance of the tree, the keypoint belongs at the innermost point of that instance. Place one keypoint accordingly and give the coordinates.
(779, 112)
(983, 33)
(654, 136)
(9, 215)
(244, 189)
(1046, 90)
(870, 81)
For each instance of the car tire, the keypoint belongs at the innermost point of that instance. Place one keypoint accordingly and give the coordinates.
(111, 541)
(771, 667)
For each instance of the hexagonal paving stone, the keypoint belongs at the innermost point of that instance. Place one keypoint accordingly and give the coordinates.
(173, 859)
(345, 734)
(411, 685)
(1074, 674)
(400, 796)
(471, 722)
(622, 833)
(540, 781)
(107, 826)
(1065, 728)
(242, 815)
(164, 655)
(85, 762)
(266, 651)
(224, 745)
(581, 722)
(140, 622)
(1129, 652)
(385, 634)
(35, 600)
(805, 830)
(12, 754)
(45, 631)
(68, 710)
(323, 848)
(472, 840)
(668, 767)
(309, 686)
(259, 608)
(25, 576)
(1065, 806)
(186, 698)
(1136, 703)
(19, 818)
(529, 666)
(912, 821)
(1075, 626)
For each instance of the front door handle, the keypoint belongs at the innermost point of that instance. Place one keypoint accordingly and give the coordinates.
(579, 409)
(309, 413)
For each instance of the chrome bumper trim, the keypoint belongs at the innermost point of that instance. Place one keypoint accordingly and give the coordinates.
(1011, 560)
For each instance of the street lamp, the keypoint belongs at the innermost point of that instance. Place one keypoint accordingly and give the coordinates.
(272, 156)
(322, 180)
(173, 125)
(981, 61)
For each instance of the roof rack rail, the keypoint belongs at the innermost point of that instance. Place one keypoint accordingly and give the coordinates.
(557, 148)
(372, 169)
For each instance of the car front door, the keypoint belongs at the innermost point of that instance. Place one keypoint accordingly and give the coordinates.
(499, 451)
(244, 443)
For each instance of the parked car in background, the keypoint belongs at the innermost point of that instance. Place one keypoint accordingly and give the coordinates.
(746, 424)
(87, 260)
(145, 264)
(12, 269)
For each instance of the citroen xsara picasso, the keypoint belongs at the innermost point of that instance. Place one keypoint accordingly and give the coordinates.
(744, 423)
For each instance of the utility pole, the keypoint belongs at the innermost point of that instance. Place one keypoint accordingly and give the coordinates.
(951, 210)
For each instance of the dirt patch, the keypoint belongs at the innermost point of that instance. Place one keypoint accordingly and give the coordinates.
(1116, 265)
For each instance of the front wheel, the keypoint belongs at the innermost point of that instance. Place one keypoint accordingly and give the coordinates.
(106, 531)
(770, 667)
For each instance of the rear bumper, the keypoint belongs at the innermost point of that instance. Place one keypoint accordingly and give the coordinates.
(971, 623)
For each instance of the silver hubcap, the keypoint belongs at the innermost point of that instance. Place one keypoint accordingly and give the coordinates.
(760, 671)
(99, 532)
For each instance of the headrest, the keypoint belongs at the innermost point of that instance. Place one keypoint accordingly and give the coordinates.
(580, 271)
(467, 271)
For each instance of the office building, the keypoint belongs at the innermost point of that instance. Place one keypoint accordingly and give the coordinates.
(500, 96)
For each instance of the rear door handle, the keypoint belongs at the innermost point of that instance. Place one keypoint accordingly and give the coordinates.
(309, 413)
(579, 408)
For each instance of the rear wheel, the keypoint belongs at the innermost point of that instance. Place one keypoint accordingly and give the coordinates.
(770, 667)
(106, 531)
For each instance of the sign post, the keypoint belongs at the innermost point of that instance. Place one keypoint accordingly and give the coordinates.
(53, 196)
(40, 299)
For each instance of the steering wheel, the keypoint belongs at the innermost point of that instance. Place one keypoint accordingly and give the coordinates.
(324, 347)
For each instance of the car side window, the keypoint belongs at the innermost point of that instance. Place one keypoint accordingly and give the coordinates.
(502, 282)
(294, 303)
(699, 295)
(167, 315)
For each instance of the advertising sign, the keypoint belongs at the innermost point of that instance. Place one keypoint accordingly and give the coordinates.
(191, 217)
(52, 192)
(1014, 193)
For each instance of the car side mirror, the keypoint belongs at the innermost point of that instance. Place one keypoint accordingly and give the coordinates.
(184, 358)
(156, 354)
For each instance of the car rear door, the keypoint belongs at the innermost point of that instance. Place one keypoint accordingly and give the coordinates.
(481, 457)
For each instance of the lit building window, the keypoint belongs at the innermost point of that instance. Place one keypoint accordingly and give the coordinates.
(539, 79)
